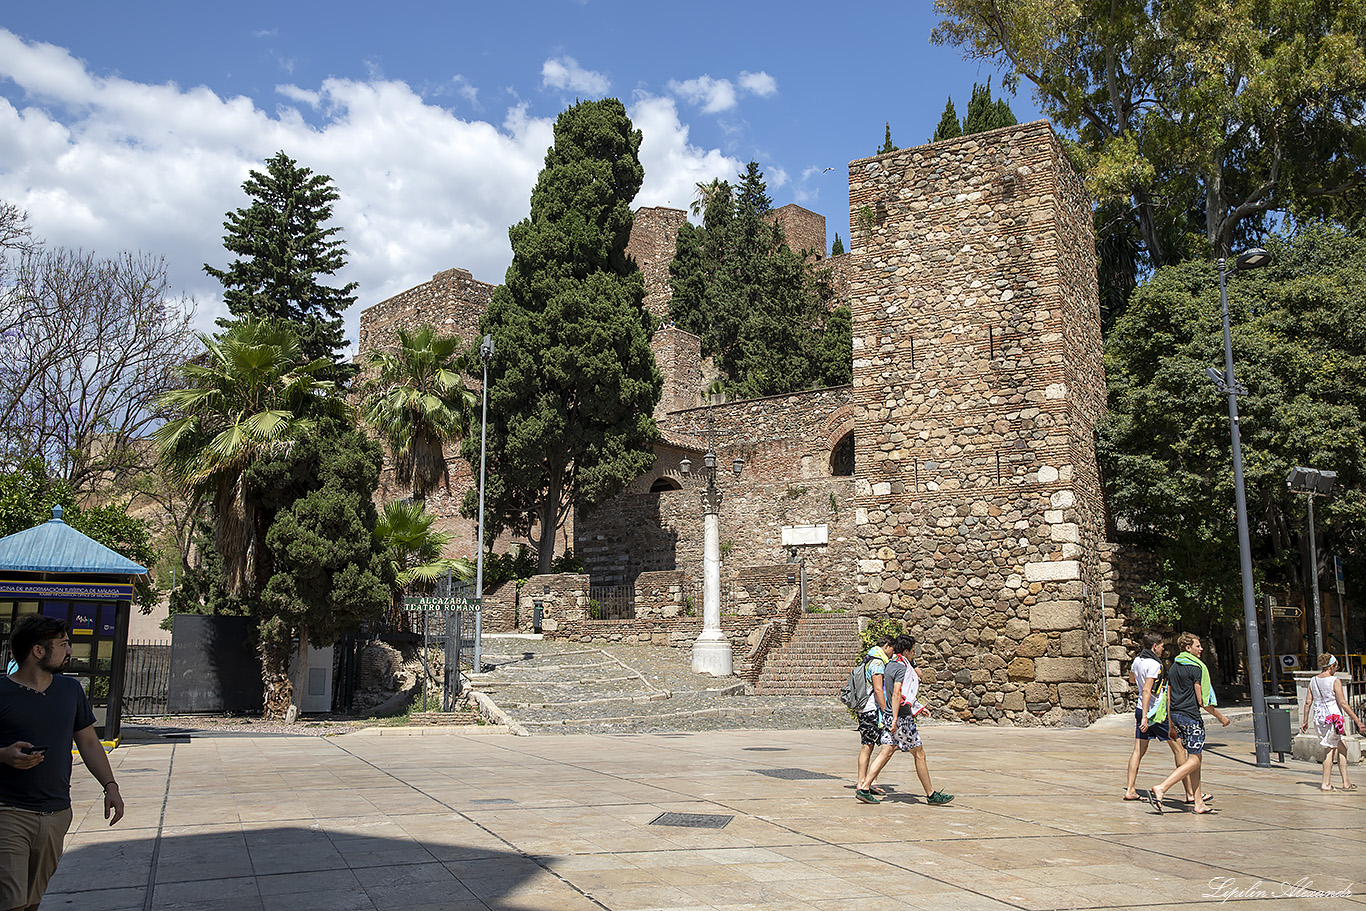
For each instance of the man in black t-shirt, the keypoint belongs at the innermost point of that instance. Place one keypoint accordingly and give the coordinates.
(42, 714)
(1188, 692)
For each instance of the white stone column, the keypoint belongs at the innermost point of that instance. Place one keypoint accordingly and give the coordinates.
(711, 652)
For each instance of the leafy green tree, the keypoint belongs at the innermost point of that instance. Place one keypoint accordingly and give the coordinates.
(949, 127)
(759, 309)
(283, 251)
(250, 397)
(572, 382)
(329, 569)
(1300, 350)
(417, 401)
(1263, 116)
(984, 113)
(837, 248)
(28, 494)
(887, 145)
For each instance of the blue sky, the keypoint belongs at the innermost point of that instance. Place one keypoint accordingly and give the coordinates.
(132, 125)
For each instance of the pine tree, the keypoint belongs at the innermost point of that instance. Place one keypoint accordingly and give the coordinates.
(887, 141)
(573, 382)
(949, 127)
(837, 248)
(282, 251)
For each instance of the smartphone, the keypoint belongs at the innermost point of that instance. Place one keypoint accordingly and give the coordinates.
(32, 750)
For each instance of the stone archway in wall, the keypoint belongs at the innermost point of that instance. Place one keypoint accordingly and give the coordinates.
(662, 484)
(839, 442)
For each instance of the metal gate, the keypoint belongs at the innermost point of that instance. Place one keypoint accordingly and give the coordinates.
(449, 627)
(147, 678)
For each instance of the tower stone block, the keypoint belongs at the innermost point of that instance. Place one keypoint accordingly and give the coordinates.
(978, 385)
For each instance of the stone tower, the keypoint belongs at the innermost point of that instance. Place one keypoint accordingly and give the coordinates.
(978, 384)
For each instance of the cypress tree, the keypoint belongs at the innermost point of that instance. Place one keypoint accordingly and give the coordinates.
(984, 114)
(949, 127)
(573, 382)
(887, 141)
(837, 248)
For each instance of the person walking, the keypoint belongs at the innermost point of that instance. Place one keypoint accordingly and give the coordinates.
(1328, 703)
(1189, 690)
(901, 682)
(1147, 674)
(42, 713)
(870, 718)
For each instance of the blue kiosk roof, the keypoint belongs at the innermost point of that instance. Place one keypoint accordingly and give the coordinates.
(55, 547)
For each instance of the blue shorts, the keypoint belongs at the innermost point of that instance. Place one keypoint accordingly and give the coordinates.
(1157, 730)
(1192, 731)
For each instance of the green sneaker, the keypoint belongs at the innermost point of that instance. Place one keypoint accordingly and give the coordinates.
(867, 797)
(938, 799)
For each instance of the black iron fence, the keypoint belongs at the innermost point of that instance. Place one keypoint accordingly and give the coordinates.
(147, 678)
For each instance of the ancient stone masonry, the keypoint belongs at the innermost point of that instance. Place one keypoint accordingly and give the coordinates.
(787, 444)
(978, 384)
(804, 230)
(654, 237)
(453, 301)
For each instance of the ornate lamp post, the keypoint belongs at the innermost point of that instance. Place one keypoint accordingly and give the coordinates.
(1311, 482)
(711, 652)
(1252, 259)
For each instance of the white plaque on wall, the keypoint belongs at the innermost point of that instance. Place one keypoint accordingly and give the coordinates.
(805, 534)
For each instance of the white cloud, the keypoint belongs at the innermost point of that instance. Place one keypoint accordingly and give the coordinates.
(760, 83)
(565, 73)
(716, 95)
(711, 95)
(107, 164)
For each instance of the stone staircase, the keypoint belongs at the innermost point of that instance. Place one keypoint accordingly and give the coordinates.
(815, 661)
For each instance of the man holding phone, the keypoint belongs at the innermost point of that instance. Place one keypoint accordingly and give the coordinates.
(42, 714)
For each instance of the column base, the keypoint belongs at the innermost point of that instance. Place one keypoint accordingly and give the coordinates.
(712, 656)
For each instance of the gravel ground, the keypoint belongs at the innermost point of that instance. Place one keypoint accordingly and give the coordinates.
(557, 687)
(552, 686)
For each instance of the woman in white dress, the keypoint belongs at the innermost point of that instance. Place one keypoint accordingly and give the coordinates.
(1327, 702)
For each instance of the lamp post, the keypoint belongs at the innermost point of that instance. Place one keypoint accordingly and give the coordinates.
(485, 355)
(711, 651)
(1252, 259)
(1313, 483)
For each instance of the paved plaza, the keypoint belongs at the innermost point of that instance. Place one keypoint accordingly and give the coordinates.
(459, 821)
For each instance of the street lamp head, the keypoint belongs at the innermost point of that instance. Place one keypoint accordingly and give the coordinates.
(737, 466)
(709, 460)
(1255, 258)
(486, 350)
(685, 467)
(1311, 480)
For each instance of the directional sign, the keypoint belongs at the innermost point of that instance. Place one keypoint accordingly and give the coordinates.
(1285, 613)
(1337, 573)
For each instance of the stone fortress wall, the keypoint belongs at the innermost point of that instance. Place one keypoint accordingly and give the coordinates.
(972, 506)
(978, 385)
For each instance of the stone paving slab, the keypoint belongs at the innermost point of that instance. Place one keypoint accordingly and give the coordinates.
(472, 823)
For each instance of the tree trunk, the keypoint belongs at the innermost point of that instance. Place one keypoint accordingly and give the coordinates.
(279, 689)
(300, 679)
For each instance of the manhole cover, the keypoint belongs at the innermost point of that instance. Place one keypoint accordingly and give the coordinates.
(765, 749)
(794, 774)
(493, 800)
(692, 820)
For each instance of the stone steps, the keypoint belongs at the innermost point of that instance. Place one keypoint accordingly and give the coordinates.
(816, 661)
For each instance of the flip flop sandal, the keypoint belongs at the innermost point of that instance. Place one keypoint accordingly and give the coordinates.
(1203, 812)
(1155, 801)
(1139, 797)
(1207, 798)
(1347, 787)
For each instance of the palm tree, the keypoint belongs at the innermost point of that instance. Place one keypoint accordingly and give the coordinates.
(414, 551)
(704, 192)
(416, 400)
(250, 396)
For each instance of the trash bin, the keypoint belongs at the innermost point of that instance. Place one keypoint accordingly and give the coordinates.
(1278, 725)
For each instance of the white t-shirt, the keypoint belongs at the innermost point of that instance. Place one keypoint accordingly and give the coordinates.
(1146, 669)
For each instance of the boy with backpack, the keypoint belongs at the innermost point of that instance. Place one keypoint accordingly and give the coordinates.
(901, 683)
(864, 696)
